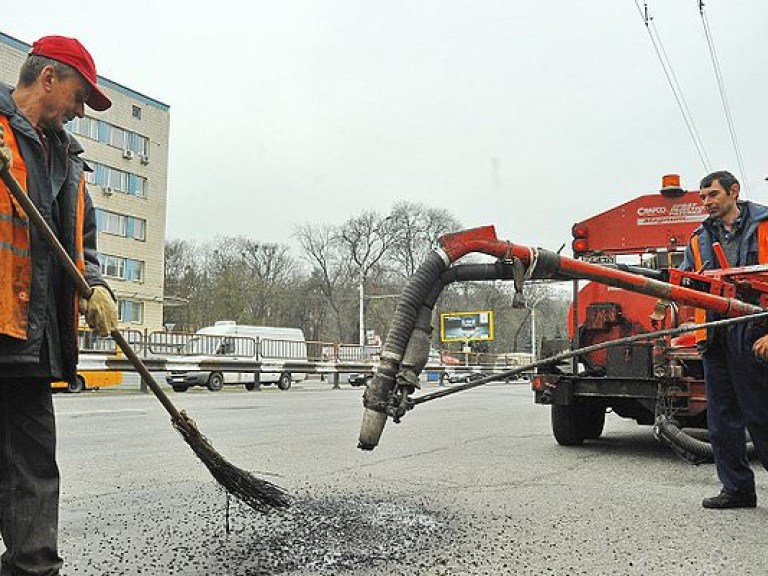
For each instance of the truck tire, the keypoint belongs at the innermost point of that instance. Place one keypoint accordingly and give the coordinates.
(77, 385)
(252, 386)
(285, 381)
(581, 420)
(565, 425)
(179, 387)
(592, 420)
(215, 381)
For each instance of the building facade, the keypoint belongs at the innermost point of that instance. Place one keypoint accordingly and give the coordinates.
(127, 148)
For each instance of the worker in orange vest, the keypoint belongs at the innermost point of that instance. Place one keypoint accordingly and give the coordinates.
(734, 357)
(39, 304)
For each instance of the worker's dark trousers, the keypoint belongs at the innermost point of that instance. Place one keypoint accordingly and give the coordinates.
(29, 479)
(737, 399)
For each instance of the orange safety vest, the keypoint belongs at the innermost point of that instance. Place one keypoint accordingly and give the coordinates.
(700, 315)
(15, 251)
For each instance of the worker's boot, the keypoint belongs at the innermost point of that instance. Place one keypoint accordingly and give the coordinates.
(731, 500)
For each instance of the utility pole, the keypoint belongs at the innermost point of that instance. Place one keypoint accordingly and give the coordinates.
(361, 318)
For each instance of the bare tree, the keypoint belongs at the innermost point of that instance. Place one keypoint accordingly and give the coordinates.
(323, 253)
(415, 230)
(269, 271)
(180, 281)
(365, 239)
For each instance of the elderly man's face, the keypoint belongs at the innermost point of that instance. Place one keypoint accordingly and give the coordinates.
(64, 99)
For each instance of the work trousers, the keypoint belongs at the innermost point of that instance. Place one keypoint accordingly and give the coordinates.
(29, 479)
(737, 400)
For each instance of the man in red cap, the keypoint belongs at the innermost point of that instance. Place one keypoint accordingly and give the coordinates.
(39, 303)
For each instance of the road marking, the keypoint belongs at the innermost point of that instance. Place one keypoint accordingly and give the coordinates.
(95, 412)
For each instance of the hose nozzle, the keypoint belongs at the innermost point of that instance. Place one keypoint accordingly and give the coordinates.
(376, 399)
(371, 429)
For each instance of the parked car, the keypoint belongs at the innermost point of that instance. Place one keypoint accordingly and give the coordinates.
(463, 377)
(360, 378)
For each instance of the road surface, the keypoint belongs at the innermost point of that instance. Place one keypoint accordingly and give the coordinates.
(472, 484)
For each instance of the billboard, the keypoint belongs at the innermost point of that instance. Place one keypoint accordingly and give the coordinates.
(466, 326)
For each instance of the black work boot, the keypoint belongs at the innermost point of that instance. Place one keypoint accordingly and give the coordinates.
(731, 500)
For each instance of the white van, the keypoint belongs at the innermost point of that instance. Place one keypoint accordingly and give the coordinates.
(270, 345)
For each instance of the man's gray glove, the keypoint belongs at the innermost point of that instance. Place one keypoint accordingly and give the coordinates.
(100, 311)
(6, 154)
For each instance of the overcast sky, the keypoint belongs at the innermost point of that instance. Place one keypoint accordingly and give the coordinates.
(526, 114)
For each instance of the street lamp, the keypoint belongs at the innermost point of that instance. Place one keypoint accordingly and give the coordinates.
(361, 317)
(532, 307)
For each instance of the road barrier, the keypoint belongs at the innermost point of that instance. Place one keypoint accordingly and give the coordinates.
(165, 351)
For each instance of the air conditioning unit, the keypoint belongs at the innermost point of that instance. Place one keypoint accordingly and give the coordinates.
(107, 190)
(144, 159)
(128, 154)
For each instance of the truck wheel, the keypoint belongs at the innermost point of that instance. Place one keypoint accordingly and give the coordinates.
(215, 382)
(77, 385)
(592, 420)
(179, 387)
(251, 386)
(285, 381)
(565, 425)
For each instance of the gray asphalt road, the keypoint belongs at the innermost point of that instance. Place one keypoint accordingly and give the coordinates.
(471, 484)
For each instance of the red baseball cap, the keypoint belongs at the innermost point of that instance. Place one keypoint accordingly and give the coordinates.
(69, 51)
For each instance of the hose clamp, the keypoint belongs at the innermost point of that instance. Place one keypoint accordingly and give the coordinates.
(443, 256)
(534, 260)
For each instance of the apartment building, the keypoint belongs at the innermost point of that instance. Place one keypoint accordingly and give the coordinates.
(127, 148)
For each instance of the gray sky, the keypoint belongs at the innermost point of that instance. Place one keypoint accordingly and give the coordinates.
(526, 114)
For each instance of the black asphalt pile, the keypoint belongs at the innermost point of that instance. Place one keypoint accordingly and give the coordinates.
(329, 535)
(184, 534)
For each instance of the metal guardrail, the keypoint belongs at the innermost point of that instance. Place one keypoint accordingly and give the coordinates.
(165, 351)
(89, 342)
(281, 349)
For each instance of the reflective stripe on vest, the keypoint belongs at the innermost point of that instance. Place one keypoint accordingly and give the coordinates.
(699, 314)
(15, 255)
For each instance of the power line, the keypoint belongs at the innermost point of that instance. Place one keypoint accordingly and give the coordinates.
(723, 95)
(677, 91)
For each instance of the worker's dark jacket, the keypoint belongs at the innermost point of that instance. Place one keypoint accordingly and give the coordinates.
(49, 348)
(753, 247)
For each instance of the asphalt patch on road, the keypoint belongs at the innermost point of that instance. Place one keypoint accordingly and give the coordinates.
(185, 534)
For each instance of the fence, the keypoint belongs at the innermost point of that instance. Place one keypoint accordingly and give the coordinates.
(160, 344)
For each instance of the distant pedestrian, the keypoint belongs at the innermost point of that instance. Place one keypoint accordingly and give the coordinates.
(39, 303)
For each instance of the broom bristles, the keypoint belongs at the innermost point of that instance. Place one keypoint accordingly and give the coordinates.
(259, 494)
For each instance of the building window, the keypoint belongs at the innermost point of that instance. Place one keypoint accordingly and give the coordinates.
(112, 266)
(130, 311)
(117, 180)
(110, 134)
(120, 225)
(136, 112)
(126, 269)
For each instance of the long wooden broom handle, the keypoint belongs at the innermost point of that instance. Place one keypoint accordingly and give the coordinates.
(85, 290)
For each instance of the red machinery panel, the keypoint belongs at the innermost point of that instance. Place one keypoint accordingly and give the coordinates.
(647, 222)
(636, 308)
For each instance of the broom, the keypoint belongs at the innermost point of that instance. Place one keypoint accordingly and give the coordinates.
(259, 494)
